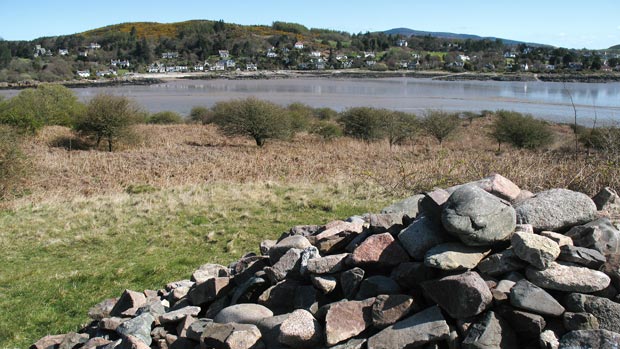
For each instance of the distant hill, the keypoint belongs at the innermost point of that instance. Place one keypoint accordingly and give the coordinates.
(615, 47)
(447, 35)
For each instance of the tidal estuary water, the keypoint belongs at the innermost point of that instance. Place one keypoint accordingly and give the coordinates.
(547, 100)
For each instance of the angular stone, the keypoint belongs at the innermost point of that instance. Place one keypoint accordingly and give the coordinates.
(526, 295)
(139, 327)
(73, 340)
(579, 321)
(607, 312)
(338, 227)
(295, 241)
(561, 239)
(345, 320)
(606, 198)
(270, 330)
(350, 281)
(612, 268)
(501, 263)
(422, 235)
(490, 332)
(359, 343)
(247, 268)
(287, 266)
(455, 256)
(478, 218)
(184, 324)
(568, 278)
(209, 290)
(335, 243)
(132, 342)
(249, 291)
(587, 257)
(231, 336)
(178, 315)
(102, 310)
(385, 222)
(461, 296)
(409, 275)
(111, 323)
(207, 271)
(424, 327)
(301, 330)
(556, 210)
(537, 250)
(408, 206)
(306, 255)
(324, 283)
(128, 300)
(376, 285)
(433, 203)
(380, 250)
(501, 292)
(526, 325)
(388, 309)
(495, 184)
(287, 296)
(96, 343)
(599, 234)
(48, 342)
(593, 339)
(327, 264)
(266, 245)
(245, 313)
(304, 230)
(195, 330)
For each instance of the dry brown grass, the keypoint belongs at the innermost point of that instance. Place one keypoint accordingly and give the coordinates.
(180, 155)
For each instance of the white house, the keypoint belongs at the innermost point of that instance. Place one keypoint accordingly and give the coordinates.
(402, 43)
(119, 63)
(229, 63)
(169, 55)
(224, 54)
(316, 54)
(369, 54)
(251, 67)
(83, 73)
(199, 67)
(63, 52)
(218, 66)
(299, 45)
(83, 53)
(94, 46)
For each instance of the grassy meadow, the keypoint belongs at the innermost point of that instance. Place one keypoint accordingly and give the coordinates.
(90, 224)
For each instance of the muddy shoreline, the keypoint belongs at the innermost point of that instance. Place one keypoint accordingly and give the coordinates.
(151, 79)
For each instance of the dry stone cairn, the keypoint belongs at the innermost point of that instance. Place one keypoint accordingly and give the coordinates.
(480, 265)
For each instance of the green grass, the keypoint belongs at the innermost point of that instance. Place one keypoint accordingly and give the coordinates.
(59, 259)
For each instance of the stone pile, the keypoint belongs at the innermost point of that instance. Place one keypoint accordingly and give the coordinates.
(480, 265)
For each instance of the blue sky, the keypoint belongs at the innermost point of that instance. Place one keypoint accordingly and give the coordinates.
(569, 23)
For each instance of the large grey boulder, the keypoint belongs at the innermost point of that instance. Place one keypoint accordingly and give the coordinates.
(246, 313)
(421, 235)
(592, 339)
(461, 296)
(607, 312)
(568, 278)
(478, 218)
(327, 264)
(537, 250)
(279, 249)
(424, 327)
(556, 210)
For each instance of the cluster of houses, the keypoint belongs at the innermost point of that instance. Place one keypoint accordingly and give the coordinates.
(310, 59)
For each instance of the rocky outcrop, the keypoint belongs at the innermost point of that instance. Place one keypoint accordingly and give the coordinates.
(447, 269)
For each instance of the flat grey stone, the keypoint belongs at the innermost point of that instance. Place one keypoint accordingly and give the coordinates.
(490, 332)
(461, 296)
(501, 263)
(455, 256)
(556, 210)
(568, 278)
(525, 295)
(592, 339)
(245, 313)
(426, 326)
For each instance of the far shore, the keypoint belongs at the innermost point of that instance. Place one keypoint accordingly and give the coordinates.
(156, 78)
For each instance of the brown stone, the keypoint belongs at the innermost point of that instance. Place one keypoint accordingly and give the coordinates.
(345, 320)
(380, 250)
